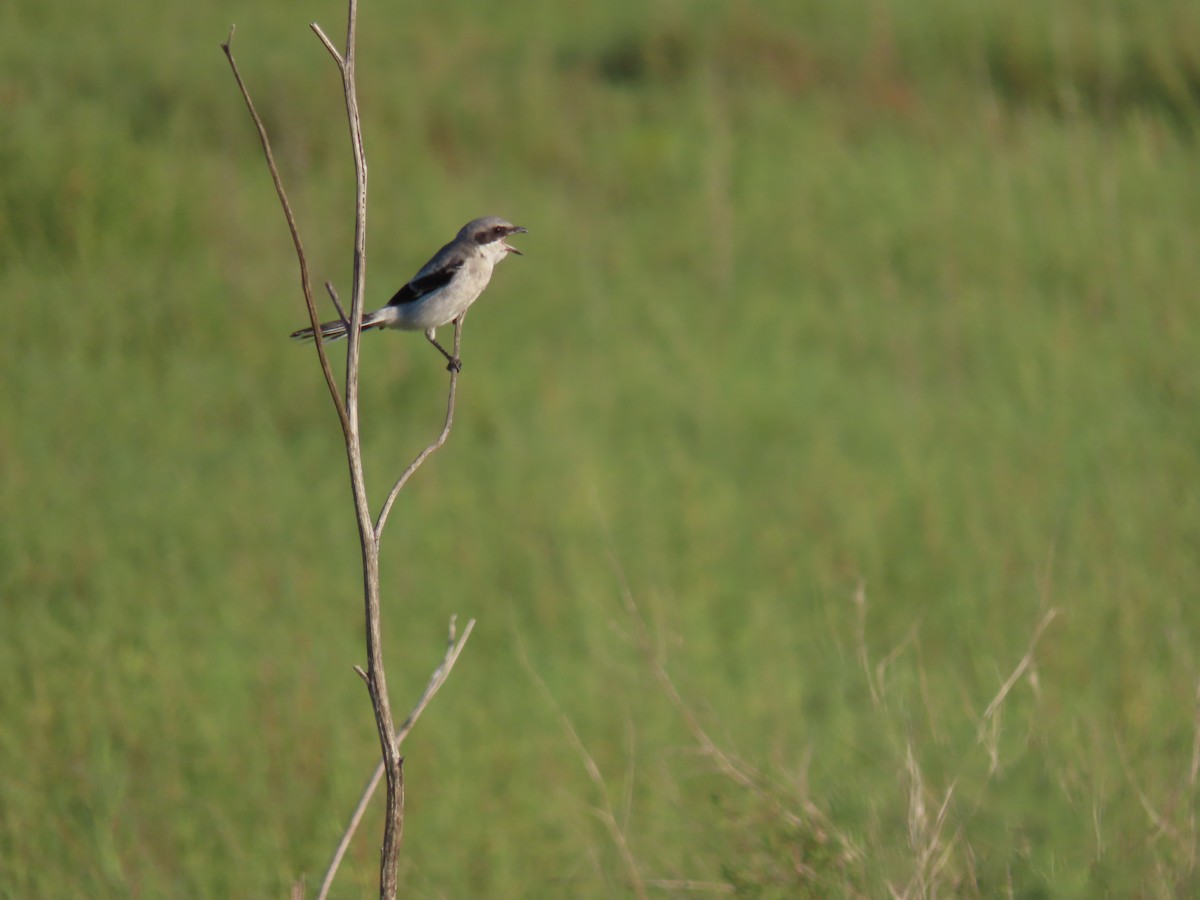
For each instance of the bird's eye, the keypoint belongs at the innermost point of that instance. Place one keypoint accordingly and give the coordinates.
(499, 229)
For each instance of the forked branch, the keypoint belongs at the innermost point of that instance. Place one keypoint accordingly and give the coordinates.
(454, 647)
(348, 416)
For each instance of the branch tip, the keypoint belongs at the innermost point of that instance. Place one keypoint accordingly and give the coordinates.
(337, 304)
(333, 51)
(305, 284)
(372, 674)
(436, 680)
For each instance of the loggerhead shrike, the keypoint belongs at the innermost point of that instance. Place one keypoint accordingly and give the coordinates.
(444, 287)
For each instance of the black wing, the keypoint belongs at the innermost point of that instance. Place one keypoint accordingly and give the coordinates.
(426, 283)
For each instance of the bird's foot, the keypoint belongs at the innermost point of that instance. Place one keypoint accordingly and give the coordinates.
(454, 365)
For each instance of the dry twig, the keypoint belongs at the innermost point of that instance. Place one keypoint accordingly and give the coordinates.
(454, 647)
(305, 281)
(370, 532)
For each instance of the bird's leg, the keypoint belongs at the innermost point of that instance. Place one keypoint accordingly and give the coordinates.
(453, 363)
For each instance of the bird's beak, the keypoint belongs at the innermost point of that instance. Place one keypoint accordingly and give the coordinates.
(509, 247)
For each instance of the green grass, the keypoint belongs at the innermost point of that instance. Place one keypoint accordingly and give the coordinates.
(890, 297)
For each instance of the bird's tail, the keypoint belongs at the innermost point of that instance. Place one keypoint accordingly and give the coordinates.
(336, 330)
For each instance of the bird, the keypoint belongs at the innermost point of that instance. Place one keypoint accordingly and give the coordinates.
(442, 290)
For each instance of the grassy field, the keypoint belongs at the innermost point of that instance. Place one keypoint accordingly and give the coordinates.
(855, 344)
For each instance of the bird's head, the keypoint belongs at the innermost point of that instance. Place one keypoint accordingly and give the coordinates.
(489, 233)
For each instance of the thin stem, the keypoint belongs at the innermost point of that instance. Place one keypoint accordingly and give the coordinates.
(376, 674)
(337, 304)
(305, 283)
(333, 51)
(393, 764)
(454, 647)
(432, 448)
(373, 675)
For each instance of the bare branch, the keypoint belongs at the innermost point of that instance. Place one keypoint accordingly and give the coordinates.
(376, 675)
(337, 304)
(454, 647)
(333, 51)
(432, 448)
(305, 282)
(347, 406)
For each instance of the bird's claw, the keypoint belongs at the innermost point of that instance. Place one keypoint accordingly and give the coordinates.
(455, 364)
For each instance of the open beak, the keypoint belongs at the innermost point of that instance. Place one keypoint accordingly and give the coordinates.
(509, 247)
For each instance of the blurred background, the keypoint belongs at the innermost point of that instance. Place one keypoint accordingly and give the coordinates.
(854, 341)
